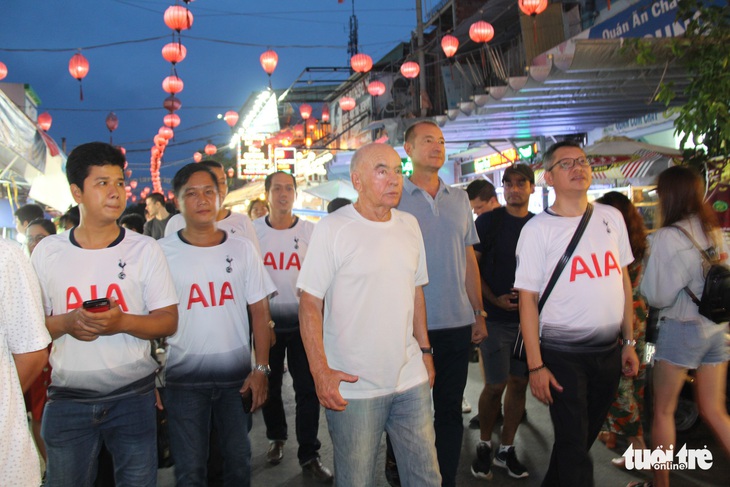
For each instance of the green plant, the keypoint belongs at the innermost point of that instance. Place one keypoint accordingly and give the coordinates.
(704, 119)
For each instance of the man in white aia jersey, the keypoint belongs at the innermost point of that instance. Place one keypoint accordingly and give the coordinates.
(217, 276)
(106, 293)
(284, 240)
(234, 223)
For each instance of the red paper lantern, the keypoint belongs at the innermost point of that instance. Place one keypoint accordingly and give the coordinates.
(171, 120)
(133, 184)
(128, 173)
(172, 103)
(178, 18)
(112, 121)
(231, 172)
(174, 52)
(160, 142)
(410, 69)
(347, 103)
(3, 71)
(231, 118)
(123, 151)
(532, 7)
(376, 88)
(481, 31)
(298, 130)
(78, 66)
(172, 84)
(44, 121)
(269, 60)
(305, 110)
(325, 113)
(197, 157)
(449, 44)
(311, 123)
(166, 132)
(361, 63)
(210, 149)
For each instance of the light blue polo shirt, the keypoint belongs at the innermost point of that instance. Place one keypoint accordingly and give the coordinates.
(447, 227)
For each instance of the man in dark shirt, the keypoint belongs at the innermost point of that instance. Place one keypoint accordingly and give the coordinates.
(155, 205)
(499, 231)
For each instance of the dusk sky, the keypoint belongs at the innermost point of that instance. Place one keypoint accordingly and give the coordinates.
(122, 40)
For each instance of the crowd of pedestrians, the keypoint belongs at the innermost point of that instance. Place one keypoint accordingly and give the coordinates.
(374, 312)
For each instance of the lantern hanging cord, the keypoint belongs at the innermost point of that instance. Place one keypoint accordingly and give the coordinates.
(206, 39)
(75, 49)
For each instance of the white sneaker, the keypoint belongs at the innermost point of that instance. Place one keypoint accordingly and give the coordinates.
(465, 406)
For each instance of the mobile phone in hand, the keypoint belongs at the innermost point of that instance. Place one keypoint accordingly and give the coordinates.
(247, 400)
(97, 305)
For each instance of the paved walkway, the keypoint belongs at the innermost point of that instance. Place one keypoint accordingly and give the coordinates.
(533, 442)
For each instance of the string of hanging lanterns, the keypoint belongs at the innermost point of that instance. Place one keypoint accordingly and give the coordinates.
(178, 18)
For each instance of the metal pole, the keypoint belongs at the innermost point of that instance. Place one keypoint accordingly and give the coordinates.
(421, 58)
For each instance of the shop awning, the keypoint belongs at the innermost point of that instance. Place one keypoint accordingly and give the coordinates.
(580, 85)
(624, 159)
(30, 158)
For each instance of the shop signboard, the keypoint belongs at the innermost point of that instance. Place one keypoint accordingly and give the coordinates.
(718, 190)
(254, 159)
(285, 159)
(647, 18)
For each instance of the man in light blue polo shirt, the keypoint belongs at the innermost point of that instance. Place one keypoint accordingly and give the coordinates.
(453, 296)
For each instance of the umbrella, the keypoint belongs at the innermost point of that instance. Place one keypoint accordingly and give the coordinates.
(622, 157)
(339, 188)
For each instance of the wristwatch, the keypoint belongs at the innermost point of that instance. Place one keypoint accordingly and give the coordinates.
(480, 312)
(264, 369)
(428, 350)
(631, 343)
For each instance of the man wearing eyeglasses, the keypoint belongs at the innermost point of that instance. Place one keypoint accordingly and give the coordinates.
(573, 353)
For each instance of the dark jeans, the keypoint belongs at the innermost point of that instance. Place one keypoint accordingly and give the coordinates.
(451, 349)
(589, 383)
(289, 343)
(191, 413)
(74, 431)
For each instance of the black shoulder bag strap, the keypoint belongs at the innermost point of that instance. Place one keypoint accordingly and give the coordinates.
(705, 256)
(566, 256)
(518, 350)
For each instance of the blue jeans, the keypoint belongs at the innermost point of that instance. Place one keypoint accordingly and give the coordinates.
(73, 433)
(190, 413)
(357, 431)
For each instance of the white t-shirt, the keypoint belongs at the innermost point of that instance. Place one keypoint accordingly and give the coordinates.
(22, 330)
(215, 285)
(283, 252)
(674, 262)
(235, 224)
(367, 273)
(133, 271)
(586, 306)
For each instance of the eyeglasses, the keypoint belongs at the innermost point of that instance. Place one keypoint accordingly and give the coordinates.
(569, 163)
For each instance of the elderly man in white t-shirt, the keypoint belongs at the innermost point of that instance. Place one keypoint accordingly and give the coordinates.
(369, 354)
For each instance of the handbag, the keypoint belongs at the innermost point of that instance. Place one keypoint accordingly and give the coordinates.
(518, 349)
